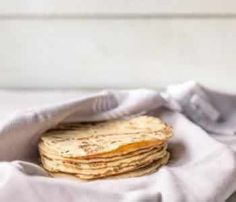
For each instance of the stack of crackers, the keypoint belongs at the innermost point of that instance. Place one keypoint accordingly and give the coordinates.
(111, 149)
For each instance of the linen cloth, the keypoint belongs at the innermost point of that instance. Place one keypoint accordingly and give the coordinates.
(202, 166)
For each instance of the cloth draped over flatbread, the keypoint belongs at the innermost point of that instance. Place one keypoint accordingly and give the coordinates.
(203, 164)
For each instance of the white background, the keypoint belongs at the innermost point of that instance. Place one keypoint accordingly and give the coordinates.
(117, 44)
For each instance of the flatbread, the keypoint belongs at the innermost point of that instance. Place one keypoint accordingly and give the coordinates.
(107, 138)
(118, 148)
(110, 168)
(122, 151)
(149, 169)
(100, 160)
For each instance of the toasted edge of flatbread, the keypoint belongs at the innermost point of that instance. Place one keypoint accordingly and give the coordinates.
(150, 169)
(107, 169)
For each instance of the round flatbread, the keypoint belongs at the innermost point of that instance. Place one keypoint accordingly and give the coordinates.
(151, 168)
(104, 149)
(111, 168)
(107, 138)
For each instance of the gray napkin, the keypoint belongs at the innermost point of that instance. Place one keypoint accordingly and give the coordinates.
(203, 161)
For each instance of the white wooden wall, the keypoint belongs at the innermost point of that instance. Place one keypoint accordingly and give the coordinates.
(122, 44)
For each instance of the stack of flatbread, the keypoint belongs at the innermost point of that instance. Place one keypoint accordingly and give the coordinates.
(120, 148)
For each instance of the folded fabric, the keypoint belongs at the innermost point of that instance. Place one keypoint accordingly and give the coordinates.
(203, 164)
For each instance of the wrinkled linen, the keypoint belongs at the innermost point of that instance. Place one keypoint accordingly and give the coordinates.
(202, 166)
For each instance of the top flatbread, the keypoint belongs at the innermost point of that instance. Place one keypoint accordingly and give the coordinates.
(106, 138)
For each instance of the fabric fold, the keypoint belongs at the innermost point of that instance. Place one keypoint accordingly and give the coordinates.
(202, 167)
